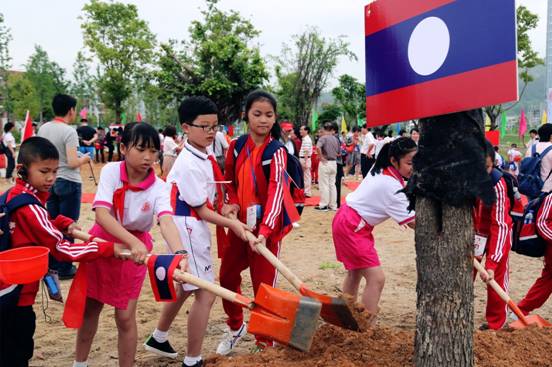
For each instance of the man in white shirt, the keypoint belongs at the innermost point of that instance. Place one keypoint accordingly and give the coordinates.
(367, 150)
(305, 154)
(220, 147)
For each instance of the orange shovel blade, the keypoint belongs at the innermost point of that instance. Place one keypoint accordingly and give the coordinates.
(284, 317)
(531, 320)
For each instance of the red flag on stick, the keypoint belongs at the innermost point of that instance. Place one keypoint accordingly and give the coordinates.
(138, 117)
(28, 130)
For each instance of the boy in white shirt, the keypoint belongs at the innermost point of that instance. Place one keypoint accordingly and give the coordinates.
(196, 188)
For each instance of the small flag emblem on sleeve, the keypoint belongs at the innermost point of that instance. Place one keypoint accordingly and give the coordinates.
(161, 269)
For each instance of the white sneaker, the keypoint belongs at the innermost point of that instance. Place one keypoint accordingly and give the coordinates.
(230, 339)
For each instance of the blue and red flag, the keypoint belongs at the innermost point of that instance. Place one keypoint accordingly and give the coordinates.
(433, 57)
(161, 269)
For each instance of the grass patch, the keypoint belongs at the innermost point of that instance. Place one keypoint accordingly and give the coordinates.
(328, 265)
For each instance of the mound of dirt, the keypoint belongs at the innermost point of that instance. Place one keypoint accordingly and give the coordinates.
(391, 347)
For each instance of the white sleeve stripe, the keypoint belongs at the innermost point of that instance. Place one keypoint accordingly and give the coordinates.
(502, 226)
(278, 195)
(39, 214)
(76, 254)
(541, 223)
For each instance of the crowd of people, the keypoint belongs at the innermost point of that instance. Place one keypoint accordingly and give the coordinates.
(238, 185)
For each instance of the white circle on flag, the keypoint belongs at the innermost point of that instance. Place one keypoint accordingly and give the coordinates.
(428, 46)
(160, 273)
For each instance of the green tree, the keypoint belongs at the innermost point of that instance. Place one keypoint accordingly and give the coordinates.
(312, 59)
(526, 56)
(330, 112)
(350, 95)
(23, 96)
(47, 78)
(123, 45)
(5, 63)
(218, 62)
(83, 86)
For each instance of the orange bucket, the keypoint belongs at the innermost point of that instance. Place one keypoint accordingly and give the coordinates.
(23, 265)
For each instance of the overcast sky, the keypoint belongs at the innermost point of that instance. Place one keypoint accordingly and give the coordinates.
(55, 24)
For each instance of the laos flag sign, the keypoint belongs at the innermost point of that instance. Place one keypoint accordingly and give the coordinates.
(433, 57)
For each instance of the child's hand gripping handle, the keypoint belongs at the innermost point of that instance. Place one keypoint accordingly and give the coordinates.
(501, 293)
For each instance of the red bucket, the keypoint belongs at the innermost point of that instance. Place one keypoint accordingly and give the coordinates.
(23, 265)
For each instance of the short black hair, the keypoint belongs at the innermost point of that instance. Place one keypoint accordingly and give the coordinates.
(140, 134)
(306, 128)
(195, 106)
(62, 103)
(545, 131)
(169, 131)
(8, 126)
(35, 149)
(100, 128)
(355, 129)
(533, 131)
(414, 129)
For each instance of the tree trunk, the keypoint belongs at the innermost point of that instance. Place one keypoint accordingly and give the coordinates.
(444, 252)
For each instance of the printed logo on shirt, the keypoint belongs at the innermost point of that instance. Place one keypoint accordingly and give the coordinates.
(208, 268)
(146, 207)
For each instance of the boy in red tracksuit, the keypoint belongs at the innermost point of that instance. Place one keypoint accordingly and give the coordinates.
(493, 231)
(541, 290)
(258, 202)
(31, 226)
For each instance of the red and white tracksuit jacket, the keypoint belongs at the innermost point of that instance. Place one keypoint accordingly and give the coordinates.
(31, 226)
(494, 223)
(541, 290)
(238, 255)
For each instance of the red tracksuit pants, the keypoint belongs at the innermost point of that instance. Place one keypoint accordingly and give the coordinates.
(238, 256)
(541, 290)
(497, 309)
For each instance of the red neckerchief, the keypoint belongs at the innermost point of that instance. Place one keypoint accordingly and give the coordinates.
(119, 194)
(393, 172)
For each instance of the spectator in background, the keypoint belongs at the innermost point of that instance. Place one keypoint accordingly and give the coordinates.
(170, 149)
(534, 138)
(328, 149)
(287, 129)
(514, 157)
(367, 150)
(305, 157)
(545, 140)
(65, 195)
(220, 147)
(118, 137)
(161, 139)
(499, 160)
(110, 137)
(380, 142)
(99, 145)
(9, 143)
(415, 135)
(87, 138)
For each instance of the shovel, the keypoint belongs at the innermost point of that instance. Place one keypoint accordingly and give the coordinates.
(275, 314)
(523, 321)
(334, 311)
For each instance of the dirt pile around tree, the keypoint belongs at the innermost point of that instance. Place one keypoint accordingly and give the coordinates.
(391, 347)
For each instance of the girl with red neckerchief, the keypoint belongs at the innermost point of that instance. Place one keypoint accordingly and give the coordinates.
(377, 199)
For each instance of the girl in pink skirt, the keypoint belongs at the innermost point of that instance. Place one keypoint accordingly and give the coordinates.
(129, 197)
(377, 199)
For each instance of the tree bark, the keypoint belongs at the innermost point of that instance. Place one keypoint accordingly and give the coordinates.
(444, 252)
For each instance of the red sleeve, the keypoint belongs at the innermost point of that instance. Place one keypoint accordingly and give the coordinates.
(500, 236)
(62, 222)
(544, 219)
(273, 206)
(33, 221)
(229, 171)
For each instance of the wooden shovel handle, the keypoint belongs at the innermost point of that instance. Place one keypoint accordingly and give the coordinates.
(501, 293)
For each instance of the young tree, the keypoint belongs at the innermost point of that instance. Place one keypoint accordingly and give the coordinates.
(350, 95)
(218, 61)
(123, 45)
(312, 60)
(47, 78)
(527, 58)
(5, 64)
(83, 85)
(23, 97)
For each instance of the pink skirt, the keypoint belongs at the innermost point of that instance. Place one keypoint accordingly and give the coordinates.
(113, 281)
(353, 240)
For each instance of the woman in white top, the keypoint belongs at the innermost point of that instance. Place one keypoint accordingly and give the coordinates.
(170, 149)
(9, 142)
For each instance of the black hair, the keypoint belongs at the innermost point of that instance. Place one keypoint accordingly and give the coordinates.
(390, 133)
(169, 131)
(100, 128)
(414, 129)
(545, 131)
(496, 148)
(489, 151)
(62, 104)
(84, 120)
(194, 106)
(140, 134)
(262, 96)
(306, 128)
(514, 145)
(35, 149)
(355, 129)
(397, 149)
(402, 131)
(160, 131)
(533, 131)
(8, 126)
